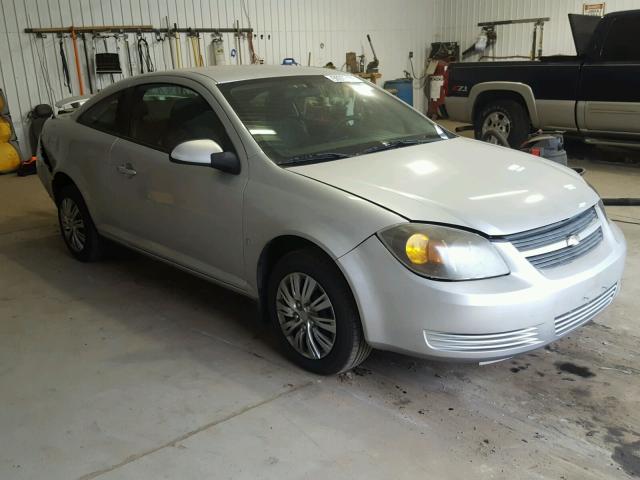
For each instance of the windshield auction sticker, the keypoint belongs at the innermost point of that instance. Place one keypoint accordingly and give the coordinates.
(341, 78)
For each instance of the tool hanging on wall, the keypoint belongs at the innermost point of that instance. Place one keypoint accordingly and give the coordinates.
(252, 51)
(199, 50)
(160, 38)
(194, 38)
(146, 64)
(143, 55)
(41, 49)
(253, 56)
(65, 65)
(171, 39)
(238, 36)
(86, 62)
(44, 67)
(128, 48)
(178, 45)
(217, 50)
(106, 63)
(76, 57)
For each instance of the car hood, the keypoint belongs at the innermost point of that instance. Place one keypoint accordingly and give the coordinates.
(462, 182)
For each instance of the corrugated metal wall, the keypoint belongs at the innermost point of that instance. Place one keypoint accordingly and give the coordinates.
(285, 28)
(456, 20)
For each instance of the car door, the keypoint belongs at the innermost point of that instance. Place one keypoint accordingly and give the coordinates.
(97, 131)
(610, 83)
(191, 215)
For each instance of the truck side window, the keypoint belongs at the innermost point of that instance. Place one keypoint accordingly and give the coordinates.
(621, 44)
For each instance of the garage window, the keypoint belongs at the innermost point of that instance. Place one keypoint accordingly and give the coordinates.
(165, 115)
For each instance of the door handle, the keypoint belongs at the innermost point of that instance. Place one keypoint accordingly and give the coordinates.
(127, 170)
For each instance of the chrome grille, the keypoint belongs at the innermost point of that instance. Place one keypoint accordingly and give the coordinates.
(566, 254)
(539, 237)
(581, 315)
(550, 246)
(493, 342)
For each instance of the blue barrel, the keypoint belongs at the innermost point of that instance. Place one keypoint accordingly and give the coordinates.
(401, 88)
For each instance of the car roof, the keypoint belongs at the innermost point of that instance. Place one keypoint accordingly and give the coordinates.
(235, 73)
(218, 74)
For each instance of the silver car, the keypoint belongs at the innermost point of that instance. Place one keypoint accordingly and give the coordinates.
(352, 219)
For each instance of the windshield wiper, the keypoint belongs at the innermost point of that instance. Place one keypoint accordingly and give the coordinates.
(398, 144)
(314, 158)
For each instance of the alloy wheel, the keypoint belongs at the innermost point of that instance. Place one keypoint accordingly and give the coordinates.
(306, 315)
(73, 227)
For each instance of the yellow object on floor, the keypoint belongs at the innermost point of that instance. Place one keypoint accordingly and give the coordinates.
(9, 158)
(5, 130)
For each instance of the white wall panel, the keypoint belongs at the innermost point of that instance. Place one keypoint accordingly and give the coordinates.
(456, 20)
(285, 28)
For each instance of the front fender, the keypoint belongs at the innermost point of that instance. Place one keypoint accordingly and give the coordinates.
(280, 202)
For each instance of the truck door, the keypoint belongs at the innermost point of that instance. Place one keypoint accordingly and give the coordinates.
(609, 95)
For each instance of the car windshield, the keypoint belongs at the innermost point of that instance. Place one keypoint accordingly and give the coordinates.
(306, 119)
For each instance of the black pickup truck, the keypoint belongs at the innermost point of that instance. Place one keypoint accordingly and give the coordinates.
(595, 94)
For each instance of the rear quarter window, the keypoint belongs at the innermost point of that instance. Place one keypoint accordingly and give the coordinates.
(104, 115)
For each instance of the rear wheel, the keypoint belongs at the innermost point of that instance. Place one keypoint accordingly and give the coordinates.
(77, 228)
(506, 117)
(315, 316)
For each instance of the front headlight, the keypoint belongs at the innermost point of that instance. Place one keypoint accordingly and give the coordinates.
(443, 253)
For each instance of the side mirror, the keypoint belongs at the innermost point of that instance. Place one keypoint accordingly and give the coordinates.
(226, 162)
(195, 152)
(206, 153)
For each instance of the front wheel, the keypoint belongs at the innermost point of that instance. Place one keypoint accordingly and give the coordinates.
(314, 314)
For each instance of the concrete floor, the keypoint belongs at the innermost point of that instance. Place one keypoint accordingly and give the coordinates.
(129, 369)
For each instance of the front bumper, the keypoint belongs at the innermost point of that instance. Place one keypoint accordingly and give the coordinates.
(481, 320)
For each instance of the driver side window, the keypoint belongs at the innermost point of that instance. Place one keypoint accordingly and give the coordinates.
(165, 115)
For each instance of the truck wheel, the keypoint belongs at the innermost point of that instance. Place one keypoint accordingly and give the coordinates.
(505, 116)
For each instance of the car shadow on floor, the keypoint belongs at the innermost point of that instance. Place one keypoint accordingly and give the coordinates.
(131, 288)
(183, 315)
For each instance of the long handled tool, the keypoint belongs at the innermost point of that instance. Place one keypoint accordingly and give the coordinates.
(171, 39)
(372, 66)
(86, 62)
(178, 46)
(200, 59)
(194, 38)
(143, 55)
(74, 41)
(65, 66)
(126, 44)
(106, 50)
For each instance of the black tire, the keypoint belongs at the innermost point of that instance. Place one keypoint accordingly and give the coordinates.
(92, 248)
(520, 124)
(349, 348)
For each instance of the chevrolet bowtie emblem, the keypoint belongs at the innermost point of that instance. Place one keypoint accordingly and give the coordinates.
(573, 240)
